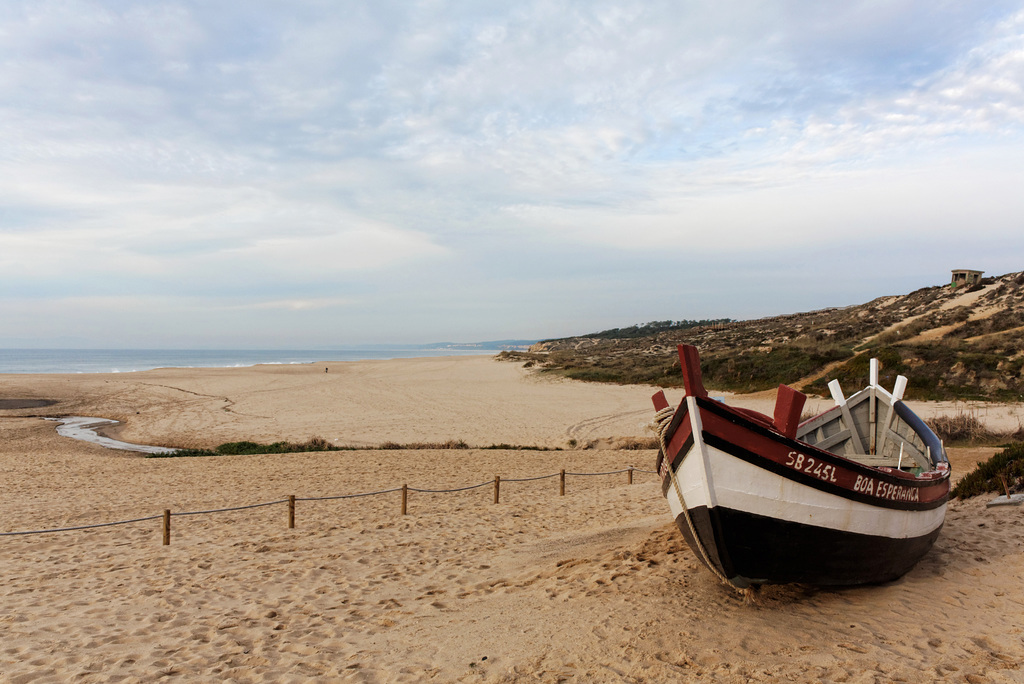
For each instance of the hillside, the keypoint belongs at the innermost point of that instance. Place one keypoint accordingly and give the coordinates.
(965, 343)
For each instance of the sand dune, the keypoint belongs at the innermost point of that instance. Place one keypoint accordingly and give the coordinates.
(593, 586)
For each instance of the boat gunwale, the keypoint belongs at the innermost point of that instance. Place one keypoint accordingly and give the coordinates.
(741, 421)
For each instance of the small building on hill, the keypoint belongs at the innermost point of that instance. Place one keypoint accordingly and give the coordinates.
(965, 277)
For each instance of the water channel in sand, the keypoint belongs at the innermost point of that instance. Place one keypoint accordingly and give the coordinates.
(84, 428)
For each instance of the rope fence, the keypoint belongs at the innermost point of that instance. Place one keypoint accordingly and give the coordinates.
(80, 527)
(234, 508)
(351, 496)
(292, 499)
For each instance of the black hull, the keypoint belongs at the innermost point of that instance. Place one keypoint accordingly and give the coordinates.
(763, 550)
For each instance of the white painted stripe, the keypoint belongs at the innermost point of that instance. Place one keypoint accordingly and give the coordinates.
(700, 451)
(745, 487)
(691, 482)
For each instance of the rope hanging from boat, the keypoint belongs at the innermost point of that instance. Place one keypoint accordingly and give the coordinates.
(662, 420)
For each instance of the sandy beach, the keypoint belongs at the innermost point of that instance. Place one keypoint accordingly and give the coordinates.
(593, 586)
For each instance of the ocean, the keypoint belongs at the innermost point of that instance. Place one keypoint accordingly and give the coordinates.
(131, 360)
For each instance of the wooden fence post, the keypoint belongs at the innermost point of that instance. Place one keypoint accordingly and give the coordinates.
(167, 527)
(561, 486)
(630, 474)
(497, 486)
(291, 511)
(405, 498)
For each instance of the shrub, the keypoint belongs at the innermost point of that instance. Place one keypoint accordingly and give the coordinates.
(234, 448)
(985, 478)
(184, 453)
(653, 328)
(756, 370)
(639, 444)
(317, 444)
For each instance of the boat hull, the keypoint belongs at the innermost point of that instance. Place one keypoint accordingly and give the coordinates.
(799, 553)
(759, 507)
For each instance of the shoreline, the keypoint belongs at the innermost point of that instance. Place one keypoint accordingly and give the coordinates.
(118, 361)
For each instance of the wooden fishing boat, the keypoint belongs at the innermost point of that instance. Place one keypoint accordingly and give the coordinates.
(855, 495)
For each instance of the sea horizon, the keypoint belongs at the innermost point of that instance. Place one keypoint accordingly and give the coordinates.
(55, 361)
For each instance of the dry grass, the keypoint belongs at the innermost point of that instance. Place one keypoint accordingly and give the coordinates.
(965, 428)
(961, 427)
(637, 444)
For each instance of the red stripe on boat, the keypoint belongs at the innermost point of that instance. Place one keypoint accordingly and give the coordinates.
(829, 468)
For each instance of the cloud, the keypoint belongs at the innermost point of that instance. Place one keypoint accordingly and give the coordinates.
(284, 159)
(965, 192)
(273, 242)
(365, 248)
(300, 304)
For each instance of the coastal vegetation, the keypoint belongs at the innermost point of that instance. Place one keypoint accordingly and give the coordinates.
(653, 328)
(1002, 474)
(313, 444)
(247, 448)
(965, 343)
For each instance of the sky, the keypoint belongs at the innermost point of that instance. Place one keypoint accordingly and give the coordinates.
(310, 174)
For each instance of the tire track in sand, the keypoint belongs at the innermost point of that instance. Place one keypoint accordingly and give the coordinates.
(595, 427)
